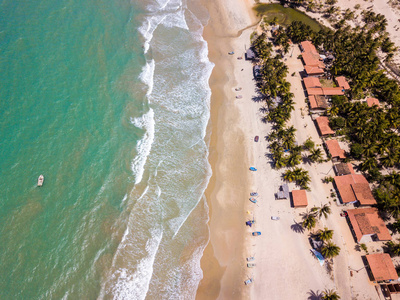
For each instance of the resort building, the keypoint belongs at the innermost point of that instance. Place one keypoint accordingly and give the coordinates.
(354, 188)
(343, 169)
(381, 267)
(342, 82)
(325, 91)
(367, 226)
(310, 55)
(314, 71)
(372, 101)
(334, 150)
(299, 198)
(323, 126)
(311, 82)
(283, 192)
(307, 46)
(318, 103)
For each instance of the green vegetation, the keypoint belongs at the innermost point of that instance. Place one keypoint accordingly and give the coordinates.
(372, 132)
(393, 248)
(299, 175)
(330, 250)
(325, 235)
(323, 210)
(309, 220)
(285, 15)
(330, 295)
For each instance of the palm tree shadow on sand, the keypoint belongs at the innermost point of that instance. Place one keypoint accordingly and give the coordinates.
(297, 227)
(314, 295)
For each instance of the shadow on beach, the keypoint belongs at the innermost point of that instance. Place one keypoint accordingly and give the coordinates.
(317, 295)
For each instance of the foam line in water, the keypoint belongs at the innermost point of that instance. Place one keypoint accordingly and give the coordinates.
(144, 145)
(147, 76)
(134, 285)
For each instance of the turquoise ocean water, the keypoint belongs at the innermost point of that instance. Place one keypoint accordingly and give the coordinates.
(109, 100)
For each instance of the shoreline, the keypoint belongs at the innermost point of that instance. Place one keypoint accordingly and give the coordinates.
(221, 262)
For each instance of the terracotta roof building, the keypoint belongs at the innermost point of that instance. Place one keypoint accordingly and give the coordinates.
(325, 91)
(311, 56)
(354, 187)
(314, 71)
(323, 126)
(372, 101)
(312, 60)
(299, 198)
(317, 102)
(311, 82)
(381, 267)
(307, 46)
(367, 226)
(334, 150)
(343, 169)
(342, 82)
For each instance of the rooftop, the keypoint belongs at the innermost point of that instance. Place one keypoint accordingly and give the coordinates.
(323, 126)
(382, 267)
(325, 91)
(307, 46)
(334, 149)
(312, 59)
(342, 82)
(366, 221)
(317, 101)
(299, 198)
(363, 193)
(311, 70)
(311, 82)
(343, 169)
(350, 192)
(372, 101)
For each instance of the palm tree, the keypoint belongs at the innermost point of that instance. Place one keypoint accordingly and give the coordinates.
(394, 248)
(326, 234)
(309, 220)
(330, 250)
(324, 210)
(330, 295)
(309, 144)
(315, 155)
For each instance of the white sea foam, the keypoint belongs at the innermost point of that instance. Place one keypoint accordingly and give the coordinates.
(147, 76)
(176, 74)
(144, 145)
(135, 284)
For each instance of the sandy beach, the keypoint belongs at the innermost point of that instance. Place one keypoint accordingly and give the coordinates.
(285, 267)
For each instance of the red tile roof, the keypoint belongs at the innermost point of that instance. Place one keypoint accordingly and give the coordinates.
(372, 101)
(342, 82)
(366, 221)
(312, 59)
(330, 91)
(381, 267)
(311, 82)
(317, 101)
(349, 190)
(334, 149)
(323, 126)
(307, 46)
(363, 193)
(325, 91)
(299, 198)
(310, 70)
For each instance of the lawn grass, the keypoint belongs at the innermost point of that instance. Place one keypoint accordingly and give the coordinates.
(285, 15)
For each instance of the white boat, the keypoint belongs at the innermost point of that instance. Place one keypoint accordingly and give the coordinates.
(40, 180)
